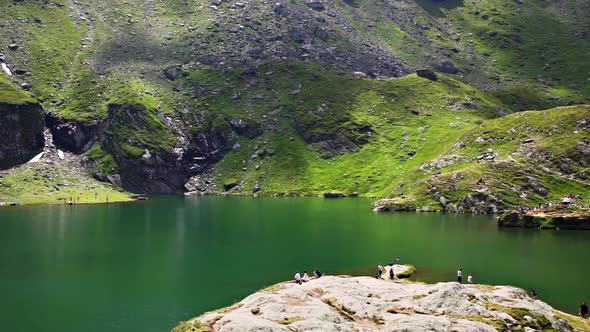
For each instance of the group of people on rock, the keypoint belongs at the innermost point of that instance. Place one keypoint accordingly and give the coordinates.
(305, 278)
(568, 199)
(460, 277)
(387, 269)
(583, 312)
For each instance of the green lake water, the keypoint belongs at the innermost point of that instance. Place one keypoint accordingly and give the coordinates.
(145, 266)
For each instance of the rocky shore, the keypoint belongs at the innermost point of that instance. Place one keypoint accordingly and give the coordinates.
(563, 218)
(343, 303)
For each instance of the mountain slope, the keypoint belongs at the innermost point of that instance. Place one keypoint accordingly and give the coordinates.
(156, 93)
(522, 159)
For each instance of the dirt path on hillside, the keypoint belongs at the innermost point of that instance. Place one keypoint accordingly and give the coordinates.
(147, 15)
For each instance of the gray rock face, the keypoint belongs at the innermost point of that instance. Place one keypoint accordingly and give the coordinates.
(447, 67)
(316, 5)
(22, 133)
(71, 135)
(333, 303)
(172, 73)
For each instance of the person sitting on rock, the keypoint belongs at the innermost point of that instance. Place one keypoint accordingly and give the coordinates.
(298, 278)
(583, 310)
(533, 293)
(470, 279)
(317, 273)
(305, 277)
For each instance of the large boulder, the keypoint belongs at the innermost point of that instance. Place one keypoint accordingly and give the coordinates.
(447, 67)
(427, 74)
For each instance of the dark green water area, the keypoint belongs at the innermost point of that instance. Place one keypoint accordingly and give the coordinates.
(146, 266)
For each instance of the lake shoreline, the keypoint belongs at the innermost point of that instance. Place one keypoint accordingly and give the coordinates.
(565, 217)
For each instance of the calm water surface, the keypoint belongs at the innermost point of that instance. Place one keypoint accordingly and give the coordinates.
(146, 266)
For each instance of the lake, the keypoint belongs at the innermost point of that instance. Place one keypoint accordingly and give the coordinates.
(145, 266)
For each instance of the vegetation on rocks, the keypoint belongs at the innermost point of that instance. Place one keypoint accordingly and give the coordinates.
(296, 99)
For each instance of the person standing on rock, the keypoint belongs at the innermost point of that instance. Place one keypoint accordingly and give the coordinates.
(298, 278)
(460, 276)
(380, 269)
(391, 274)
(470, 279)
(583, 310)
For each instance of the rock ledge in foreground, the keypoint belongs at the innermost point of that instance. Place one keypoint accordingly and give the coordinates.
(339, 303)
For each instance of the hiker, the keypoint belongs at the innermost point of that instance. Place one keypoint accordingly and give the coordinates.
(380, 269)
(583, 310)
(305, 277)
(298, 278)
(460, 276)
(317, 273)
(391, 274)
(533, 293)
(470, 279)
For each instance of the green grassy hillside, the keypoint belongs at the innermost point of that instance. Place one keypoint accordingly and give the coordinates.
(271, 98)
(523, 159)
(338, 133)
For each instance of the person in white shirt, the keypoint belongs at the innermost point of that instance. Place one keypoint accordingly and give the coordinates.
(460, 275)
(470, 279)
(305, 277)
(298, 278)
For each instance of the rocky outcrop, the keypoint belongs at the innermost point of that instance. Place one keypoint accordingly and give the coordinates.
(334, 195)
(22, 127)
(427, 74)
(69, 135)
(340, 303)
(146, 164)
(557, 219)
(393, 204)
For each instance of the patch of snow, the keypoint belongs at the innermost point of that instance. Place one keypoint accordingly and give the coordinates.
(6, 69)
(37, 158)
